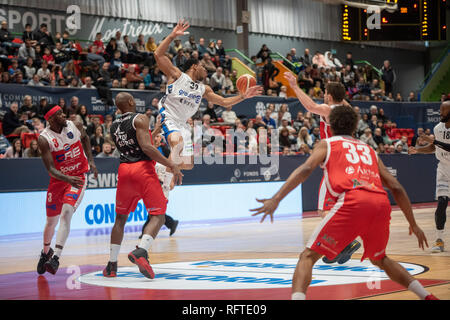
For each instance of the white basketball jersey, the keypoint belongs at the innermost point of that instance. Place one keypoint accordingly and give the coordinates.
(441, 133)
(182, 99)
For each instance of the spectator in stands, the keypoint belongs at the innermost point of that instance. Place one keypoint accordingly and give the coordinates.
(306, 59)
(180, 59)
(38, 125)
(201, 47)
(44, 73)
(332, 61)
(12, 123)
(44, 37)
(412, 97)
(83, 115)
(229, 116)
(26, 51)
(304, 138)
(349, 60)
(389, 97)
(401, 146)
(107, 124)
(367, 138)
(211, 112)
(398, 97)
(95, 122)
(388, 76)
(283, 92)
(33, 151)
(29, 35)
(220, 50)
(317, 91)
(97, 140)
(111, 48)
(268, 120)
(190, 45)
(208, 64)
(305, 80)
(150, 45)
(284, 138)
(298, 122)
(4, 145)
(74, 104)
(133, 79)
(6, 39)
(284, 114)
(88, 83)
(286, 125)
(269, 73)
(315, 135)
(416, 137)
(304, 149)
(259, 123)
(48, 57)
(375, 89)
(99, 44)
(264, 53)
(218, 80)
(252, 137)
(28, 107)
(319, 60)
(115, 84)
(378, 137)
(15, 151)
(107, 151)
(29, 69)
(121, 45)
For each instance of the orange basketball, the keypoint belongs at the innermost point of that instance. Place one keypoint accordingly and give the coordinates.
(244, 82)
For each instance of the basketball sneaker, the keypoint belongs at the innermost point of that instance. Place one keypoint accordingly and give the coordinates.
(346, 254)
(43, 259)
(111, 270)
(438, 246)
(139, 257)
(52, 265)
(431, 297)
(173, 227)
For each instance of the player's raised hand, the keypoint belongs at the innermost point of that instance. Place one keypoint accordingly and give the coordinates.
(180, 28)
(289, 76)
(421, 238)
(253, 91)
(269, 207)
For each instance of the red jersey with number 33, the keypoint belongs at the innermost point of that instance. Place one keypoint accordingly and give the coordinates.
(67, 150)
(351, 164)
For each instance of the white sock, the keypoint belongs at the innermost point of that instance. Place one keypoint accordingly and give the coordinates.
(418, 289)
(58, 252)
(440, 234)
(114, 252)
(146, 242)
(298, 296)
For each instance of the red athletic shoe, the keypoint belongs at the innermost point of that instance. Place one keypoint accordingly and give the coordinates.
(431, 297)
(111, 270)
(139, 257)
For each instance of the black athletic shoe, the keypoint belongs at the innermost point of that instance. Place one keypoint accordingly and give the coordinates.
(43, 259)
(346, 254)
(173, 227)
(111, 270)
(139, 257)
(325, 259)
(52, 265)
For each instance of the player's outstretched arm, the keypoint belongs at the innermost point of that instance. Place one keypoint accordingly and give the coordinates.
(431, 139)
(230, 101)
(298, 176)
(50, 166)
(402, 199)
(142, 123)
(162, 60)
(305, 100)
(87, 148)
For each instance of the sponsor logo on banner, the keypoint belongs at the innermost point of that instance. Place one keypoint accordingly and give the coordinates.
(241, 274)
(392, 171)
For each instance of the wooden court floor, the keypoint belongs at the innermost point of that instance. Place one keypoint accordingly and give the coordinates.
(284, 238)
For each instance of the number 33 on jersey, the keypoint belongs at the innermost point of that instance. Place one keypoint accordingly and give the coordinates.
(350, 164)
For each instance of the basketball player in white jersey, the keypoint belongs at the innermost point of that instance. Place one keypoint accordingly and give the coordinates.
(334, 96)
(442, 141)
(184, 94)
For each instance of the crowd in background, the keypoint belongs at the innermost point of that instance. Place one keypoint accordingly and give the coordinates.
(44, 60)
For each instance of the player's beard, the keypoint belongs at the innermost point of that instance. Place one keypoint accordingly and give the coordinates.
(446, 118)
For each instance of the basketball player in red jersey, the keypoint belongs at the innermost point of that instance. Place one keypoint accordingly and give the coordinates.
(355, 175)
(137, 180)
(334, 96)
(66, 152)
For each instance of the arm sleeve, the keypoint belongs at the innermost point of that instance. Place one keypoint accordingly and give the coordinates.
(443, 145)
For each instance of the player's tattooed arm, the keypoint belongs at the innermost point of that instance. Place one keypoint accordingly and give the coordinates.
(402, 199)
(305, 100)
(162, 60)
(230, 101)
(142, 123)
(87, 147)
(297, 177)
(50, 166)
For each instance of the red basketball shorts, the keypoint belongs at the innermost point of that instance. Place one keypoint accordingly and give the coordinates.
(357, 212)
(326, 200)
(60, 192)
(139, 181)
